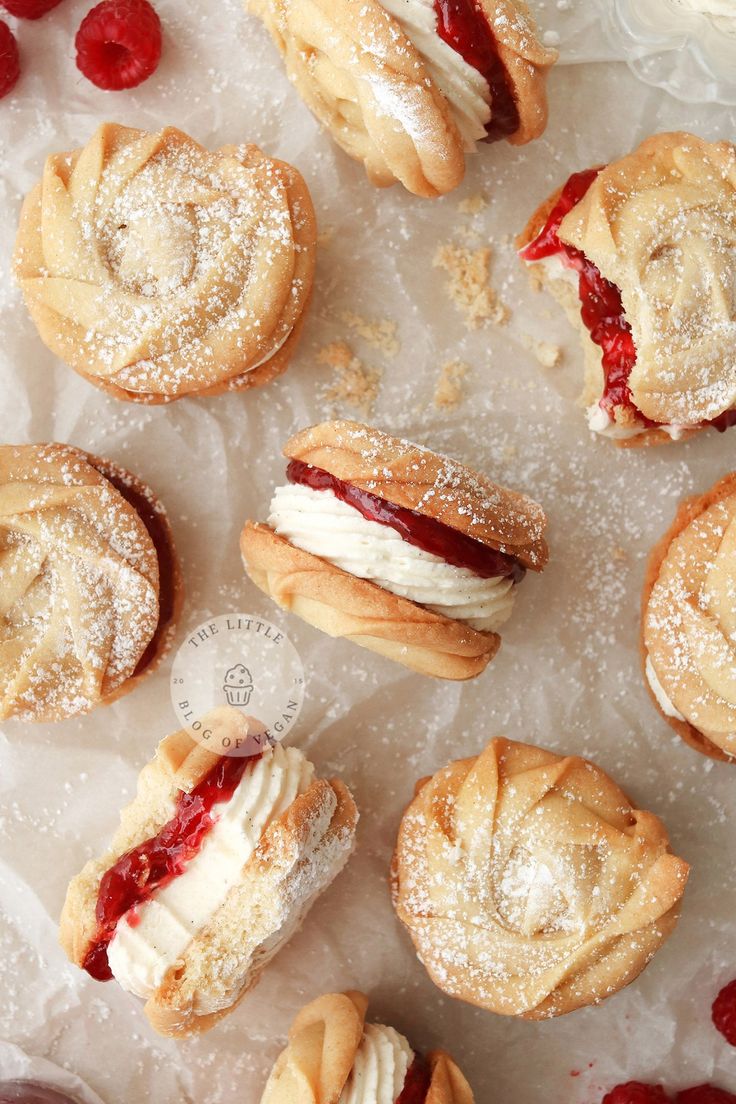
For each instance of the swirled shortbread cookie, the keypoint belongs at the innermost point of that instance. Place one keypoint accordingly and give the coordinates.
(90, 587)
(529, 884)
(157, 269)
(688, 629)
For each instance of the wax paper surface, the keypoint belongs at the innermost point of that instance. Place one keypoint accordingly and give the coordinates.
(568, 673)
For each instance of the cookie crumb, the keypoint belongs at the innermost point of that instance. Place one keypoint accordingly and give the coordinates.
(548, 355)
(355, 385)
(379, 333)
(472, 204)
(468, 285)
(449, 389)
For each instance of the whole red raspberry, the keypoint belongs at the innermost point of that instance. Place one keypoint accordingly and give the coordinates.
(119, 43)
(724, 1012)
(705, 1094)
(29, 9)
(9, 59)
(634, 1092)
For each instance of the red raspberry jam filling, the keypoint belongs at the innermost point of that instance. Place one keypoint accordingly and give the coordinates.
(416, 1085)
(151, 865)
(464, 27)
(423, 532)
(601, 307)
(154, 520)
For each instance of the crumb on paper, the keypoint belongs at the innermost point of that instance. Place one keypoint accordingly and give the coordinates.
(548, 355)
(536, 279)
(472, 204)
(355, 385)
(619, 554)
(379, 333)
(448, 390)
(468, 285)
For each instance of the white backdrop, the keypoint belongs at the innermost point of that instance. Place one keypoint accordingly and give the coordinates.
(567, 675)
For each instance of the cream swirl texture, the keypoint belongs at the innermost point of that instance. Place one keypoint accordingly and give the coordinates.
(141, 952)
(380, 1067)
(320, 523)
(465, 89)
(660, 693)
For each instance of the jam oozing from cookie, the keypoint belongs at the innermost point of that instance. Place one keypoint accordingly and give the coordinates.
(150, 866)
(416, 1085)
(601, 307)
(134, 493)
(423, 532)
(724, 421)
(464, 27)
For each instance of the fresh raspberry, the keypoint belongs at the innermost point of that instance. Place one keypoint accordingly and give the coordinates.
(705, 1094)
(634, 1092)
(119, 43)
(29, 9)
(724, 1012)
(9, 59)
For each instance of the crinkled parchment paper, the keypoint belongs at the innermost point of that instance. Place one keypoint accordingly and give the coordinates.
(567, 675)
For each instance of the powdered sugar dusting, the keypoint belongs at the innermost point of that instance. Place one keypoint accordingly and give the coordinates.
(167, 269)
(690, 622)
(79, 577)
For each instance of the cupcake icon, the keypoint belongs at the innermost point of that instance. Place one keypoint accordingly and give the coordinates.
(238, 685)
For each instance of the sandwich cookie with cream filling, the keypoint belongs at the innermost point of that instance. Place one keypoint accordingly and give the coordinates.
(395, 547)
(529, 884)
(334, 1057)
(409, 87)
(641, 253)
(90, 586)
(158, 269)
(688, 625)
(214, 867)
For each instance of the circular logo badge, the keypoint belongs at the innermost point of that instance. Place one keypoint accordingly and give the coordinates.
(240, 661)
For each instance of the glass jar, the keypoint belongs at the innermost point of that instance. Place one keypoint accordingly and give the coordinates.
(687, 47)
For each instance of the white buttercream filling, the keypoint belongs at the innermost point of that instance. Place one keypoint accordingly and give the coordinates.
(660, 693)
(380, 1067)
(319, 522)
(272, 352)
(141, 953)
(465, 89)
(556, 269)
(600, 421)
